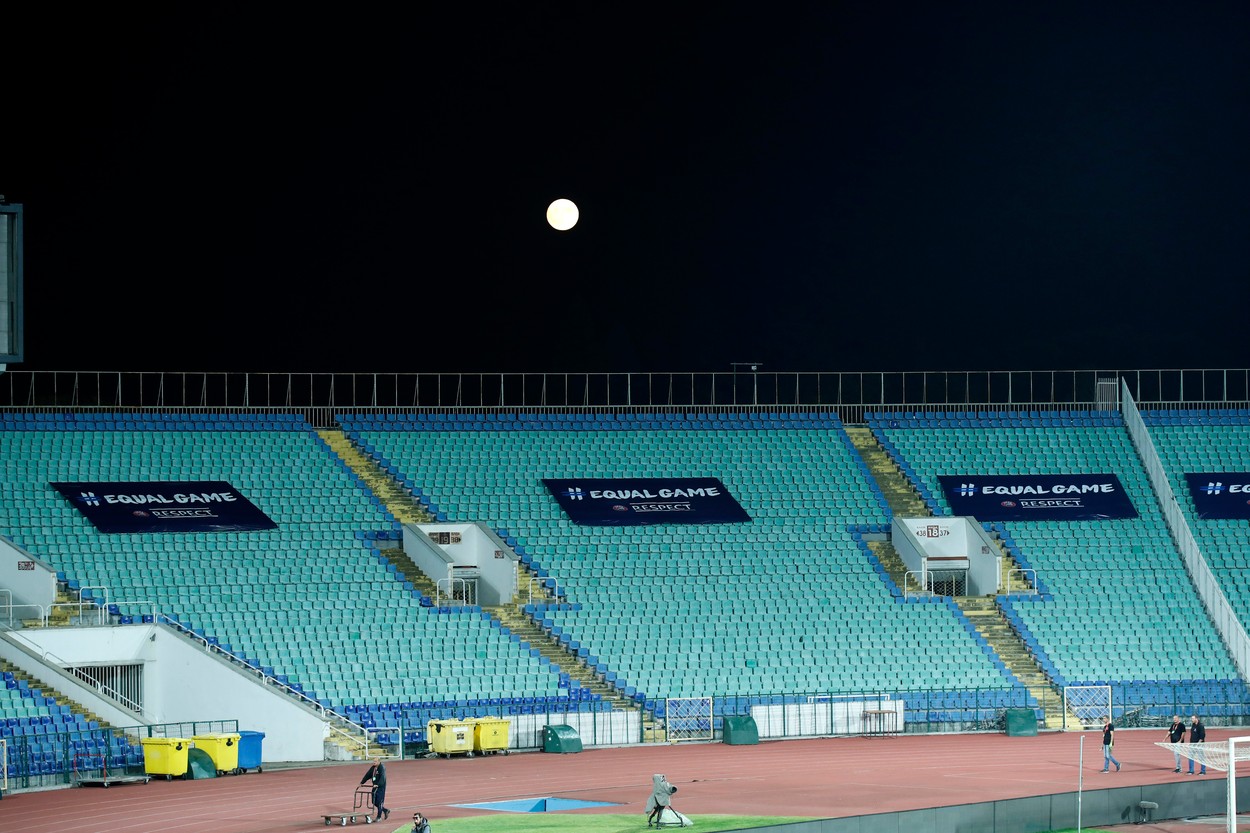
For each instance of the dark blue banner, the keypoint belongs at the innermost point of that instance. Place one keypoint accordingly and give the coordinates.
(191, 506)
(1222, 495)
(1037, 497)
(653, 500)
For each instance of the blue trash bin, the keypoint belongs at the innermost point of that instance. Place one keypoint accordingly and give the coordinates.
(249, 750)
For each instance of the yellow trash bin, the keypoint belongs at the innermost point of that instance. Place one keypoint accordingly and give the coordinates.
(490, 734)
(450, 737)
(223, 748)
(165, 756)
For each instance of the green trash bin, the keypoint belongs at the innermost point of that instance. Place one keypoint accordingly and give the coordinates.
(1021, 722)
(740, 730)
(450, 737)
(560, 737)
(165, 756)
(223, 748)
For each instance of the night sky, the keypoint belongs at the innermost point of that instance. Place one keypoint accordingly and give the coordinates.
(827, 186)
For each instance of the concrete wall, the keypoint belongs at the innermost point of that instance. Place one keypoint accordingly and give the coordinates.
(183, 682)
(1036, 814)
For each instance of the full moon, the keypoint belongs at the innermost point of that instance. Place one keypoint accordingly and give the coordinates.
(562, 215)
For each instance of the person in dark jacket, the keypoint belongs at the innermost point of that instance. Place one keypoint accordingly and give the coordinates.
(377, 775)
(420, 824)
(1108, 741)
(1197, 734)
(1176, 734)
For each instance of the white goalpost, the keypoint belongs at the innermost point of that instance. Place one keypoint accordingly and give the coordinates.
(688, 718)
(1091, 704)
(1221, 756)
(4, 765)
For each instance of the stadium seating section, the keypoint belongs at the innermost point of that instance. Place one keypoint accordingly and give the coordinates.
(786, 605)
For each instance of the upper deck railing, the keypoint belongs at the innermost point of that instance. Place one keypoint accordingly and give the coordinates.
(849, 394)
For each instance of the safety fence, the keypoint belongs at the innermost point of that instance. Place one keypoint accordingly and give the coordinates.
(42, 753)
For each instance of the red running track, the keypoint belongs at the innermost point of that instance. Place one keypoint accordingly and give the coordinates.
(826, 777)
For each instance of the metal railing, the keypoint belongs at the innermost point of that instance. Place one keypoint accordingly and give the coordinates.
(1027, 587)
(319, 396)
(922, 579)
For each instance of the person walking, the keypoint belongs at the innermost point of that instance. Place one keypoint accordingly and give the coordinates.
(377, 775)
(1197, 734)
(1108, 741)
(661, 792)
(1176, 734)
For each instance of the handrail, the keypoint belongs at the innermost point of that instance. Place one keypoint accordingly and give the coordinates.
(529, 588)
(923, 579)
(265, 679)
(1204, 580)
(102, 689)
(320, 396)
(49, 658)
(101, 606)
(133, 604)
(43, 612)
(1029, 587)
(450, 584)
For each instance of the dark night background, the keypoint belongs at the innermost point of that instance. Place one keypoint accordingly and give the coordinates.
(815, 186)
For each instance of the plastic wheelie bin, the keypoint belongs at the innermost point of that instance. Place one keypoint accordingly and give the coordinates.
(450, 737)
(223, 748)
(165, 756)
(490, 735)
(249, 750)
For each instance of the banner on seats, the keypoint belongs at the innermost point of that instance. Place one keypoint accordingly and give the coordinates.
(651, 500)
(1220, 495)
(1037, 497)
(165, 506)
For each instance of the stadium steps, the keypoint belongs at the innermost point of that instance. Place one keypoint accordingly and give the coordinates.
(57, 697)
(394, 497)
(345, 742)
(61, 616)
(897, 570)
(529, 632)
(1013, 579)
(905, 502)
(987, 617)
(900, 494)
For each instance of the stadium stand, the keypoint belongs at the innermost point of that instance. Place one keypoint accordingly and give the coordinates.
(794, 607)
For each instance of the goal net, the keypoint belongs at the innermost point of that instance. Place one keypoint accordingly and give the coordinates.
(1218, 756)
(688, 718)
(1213, 755)
(4, 765)
(1089, 704)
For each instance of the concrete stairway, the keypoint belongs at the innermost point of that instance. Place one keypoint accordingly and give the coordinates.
(59, 698)
(392, 494)
(511, 616)
(983, 612)
(64, 611)
(987, 617)
(898, 491)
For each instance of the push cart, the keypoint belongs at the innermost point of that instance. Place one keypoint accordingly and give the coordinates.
(362, 807)
(86, 765)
